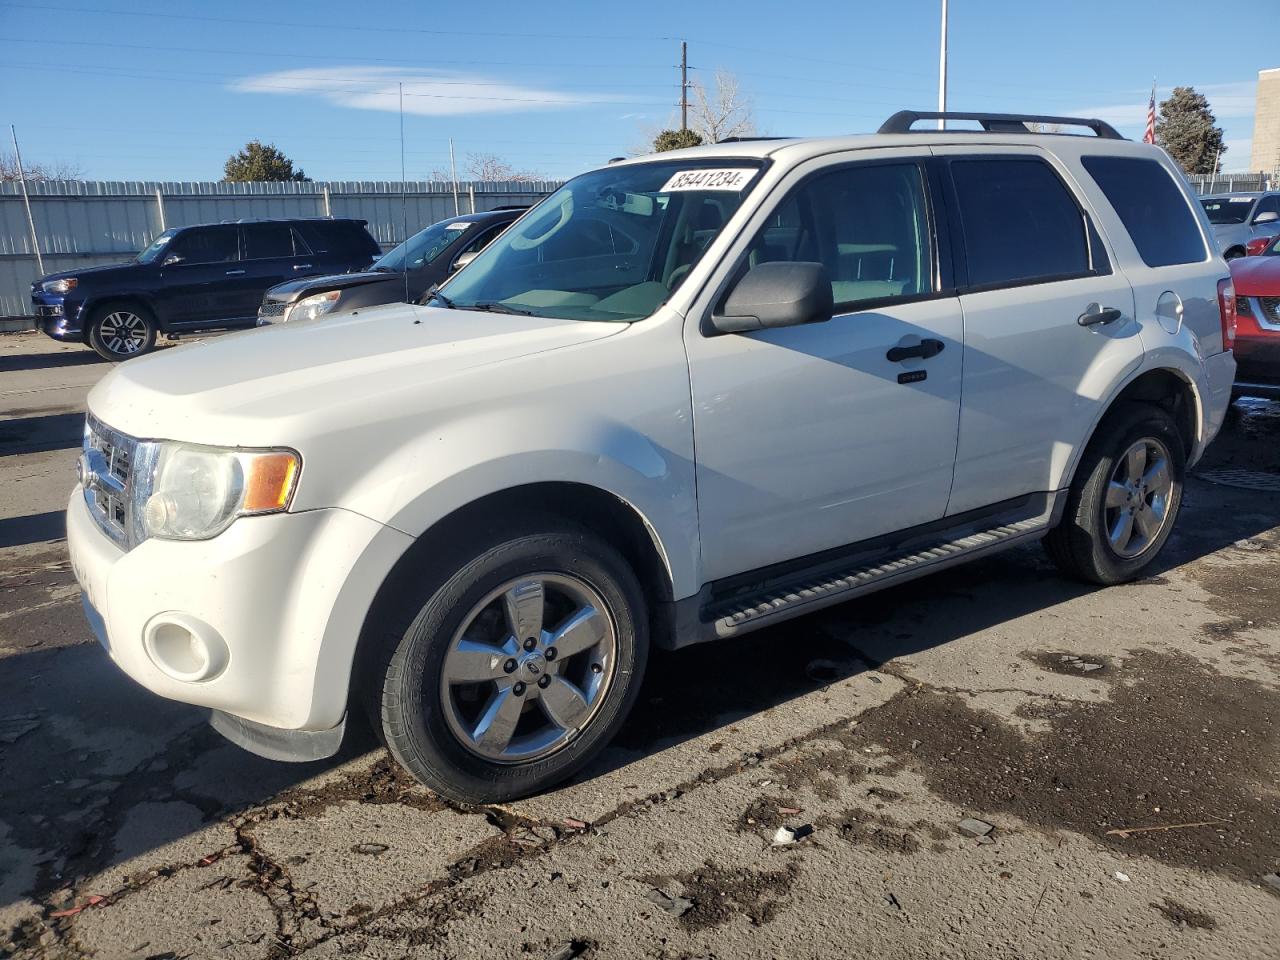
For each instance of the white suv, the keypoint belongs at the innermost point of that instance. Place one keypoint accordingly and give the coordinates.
(685, 397)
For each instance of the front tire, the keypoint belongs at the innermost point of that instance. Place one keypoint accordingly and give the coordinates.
(1125, 498)
(518, 669)
(119, 331)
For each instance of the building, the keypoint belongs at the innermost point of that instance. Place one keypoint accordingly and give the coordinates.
(1266, 123)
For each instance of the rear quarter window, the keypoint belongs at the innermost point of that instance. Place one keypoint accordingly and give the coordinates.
(1152, 208)
(341, 237)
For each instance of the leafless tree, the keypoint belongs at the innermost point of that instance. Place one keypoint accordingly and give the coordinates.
(489, 168)
(1035, 127)
(59, 170)
(724, 111)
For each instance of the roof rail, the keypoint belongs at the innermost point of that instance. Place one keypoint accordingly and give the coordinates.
(751, 139)
(902, 121)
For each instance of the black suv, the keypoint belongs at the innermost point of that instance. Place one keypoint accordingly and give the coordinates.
(432, 255)
(193, 278)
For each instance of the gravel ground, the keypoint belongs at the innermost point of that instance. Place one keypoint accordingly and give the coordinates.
(1122, 746)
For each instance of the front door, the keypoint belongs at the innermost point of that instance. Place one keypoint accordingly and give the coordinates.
(813, 437)
(203, 280)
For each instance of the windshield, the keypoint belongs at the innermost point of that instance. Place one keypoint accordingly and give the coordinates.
(1227, 209)
(423, 247)
(613, 244)
(159, 243)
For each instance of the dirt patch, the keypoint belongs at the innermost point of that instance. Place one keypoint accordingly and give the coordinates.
(1176, 743)
(1181, 916)
(426, 924)
(1243, 594)
(869, 828)
(384, 782)
(720, 894)
(1071, 665)
(764, 815)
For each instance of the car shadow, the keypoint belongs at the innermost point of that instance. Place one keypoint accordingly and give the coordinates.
(45, 361)
(54, 431)
(38, 527)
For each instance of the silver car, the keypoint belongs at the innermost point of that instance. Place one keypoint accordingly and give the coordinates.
(1238, 218)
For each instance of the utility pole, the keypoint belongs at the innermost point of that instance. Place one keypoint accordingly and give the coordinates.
(942, 68)
(26, 200)
(453, 172)
(684, 85)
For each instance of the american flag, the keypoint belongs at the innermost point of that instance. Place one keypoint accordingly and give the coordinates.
(1150, 135)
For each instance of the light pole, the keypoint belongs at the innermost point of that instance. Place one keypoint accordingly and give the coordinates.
(942, 68)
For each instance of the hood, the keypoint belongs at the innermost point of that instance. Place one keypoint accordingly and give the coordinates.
(1256, 276)
(88, 271)
(269, 386)
(292, 290)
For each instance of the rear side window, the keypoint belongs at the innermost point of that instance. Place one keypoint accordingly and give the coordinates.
(344, 237)
(1020, 222)
(1152, 208)
(264, 241)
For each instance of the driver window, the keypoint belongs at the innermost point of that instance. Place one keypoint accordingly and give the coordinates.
(206, 245)
(867, 224)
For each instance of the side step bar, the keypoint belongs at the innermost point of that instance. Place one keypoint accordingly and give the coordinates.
(743, 614)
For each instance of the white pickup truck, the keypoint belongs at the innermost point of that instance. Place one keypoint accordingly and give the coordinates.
(685, 397)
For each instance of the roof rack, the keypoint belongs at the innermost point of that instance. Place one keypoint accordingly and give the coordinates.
(750, 139)
(902, 121)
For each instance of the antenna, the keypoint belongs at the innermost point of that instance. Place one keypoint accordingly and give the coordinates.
(404, 202)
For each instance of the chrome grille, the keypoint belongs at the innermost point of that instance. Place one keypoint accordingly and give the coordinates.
(273, 308)
(106, 468)
(1270, 308)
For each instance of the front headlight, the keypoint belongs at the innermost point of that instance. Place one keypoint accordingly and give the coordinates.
(65, 285)
(308, 308)
(186, 492)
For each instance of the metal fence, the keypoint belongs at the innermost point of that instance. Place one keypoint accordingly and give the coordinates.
(85, 223)
(1205, 183)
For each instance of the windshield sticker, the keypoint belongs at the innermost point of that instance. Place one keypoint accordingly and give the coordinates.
(734, 179)
(457, 225)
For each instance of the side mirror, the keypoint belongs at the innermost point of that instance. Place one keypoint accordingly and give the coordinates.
(171, 259)
(777, 295)
(464, 259)
(1270, 216)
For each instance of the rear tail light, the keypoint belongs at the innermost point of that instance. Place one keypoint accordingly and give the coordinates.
(1227, 312)
(1255, 246)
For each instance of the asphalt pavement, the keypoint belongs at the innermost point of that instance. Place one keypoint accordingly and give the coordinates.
(988, 762)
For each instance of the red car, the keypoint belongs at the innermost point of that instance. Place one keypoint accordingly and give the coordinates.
(1257, 349)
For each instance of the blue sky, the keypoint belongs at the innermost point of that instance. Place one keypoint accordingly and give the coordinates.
(166, 91)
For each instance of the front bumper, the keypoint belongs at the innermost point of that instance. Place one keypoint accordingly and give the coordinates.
(59, 317)
(281, 600)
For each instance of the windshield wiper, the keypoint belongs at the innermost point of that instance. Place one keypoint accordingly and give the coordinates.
(493, 306)
(434, 294)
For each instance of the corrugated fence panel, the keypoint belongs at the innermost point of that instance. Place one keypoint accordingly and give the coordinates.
(94, 222)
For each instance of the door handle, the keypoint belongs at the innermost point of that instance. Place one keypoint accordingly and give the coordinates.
(302, 266)
(1095, 315)
(235, 273)
(924, 350)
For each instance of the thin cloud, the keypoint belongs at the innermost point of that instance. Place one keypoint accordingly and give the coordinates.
(1228, 101)
(426, 92)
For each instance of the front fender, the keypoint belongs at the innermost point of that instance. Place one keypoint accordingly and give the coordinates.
(487, 453)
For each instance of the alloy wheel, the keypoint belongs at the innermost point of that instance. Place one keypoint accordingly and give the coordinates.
(529, 668)
(1138, 498)
(123, 332)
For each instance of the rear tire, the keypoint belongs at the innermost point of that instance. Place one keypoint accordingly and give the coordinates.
(481, 714)
(1125, 498)
(120, 331)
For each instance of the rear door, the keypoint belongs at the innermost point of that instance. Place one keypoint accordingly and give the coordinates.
(202, 278)
(1046, 318)
(273, 253)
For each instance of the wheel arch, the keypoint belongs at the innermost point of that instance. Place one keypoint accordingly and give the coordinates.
(1167, 387)
(92, 307)
(433, 552)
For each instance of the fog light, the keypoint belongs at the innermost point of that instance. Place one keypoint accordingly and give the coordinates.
(185, 648)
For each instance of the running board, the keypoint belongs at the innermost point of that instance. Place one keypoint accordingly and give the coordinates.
(743, 614)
